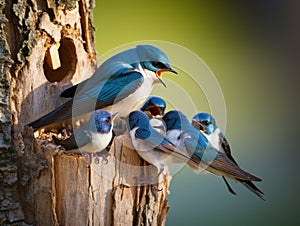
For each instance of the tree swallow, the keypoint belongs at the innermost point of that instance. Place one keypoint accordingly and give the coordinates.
(118, 85)
(194, 144)
(155, 108)
(92, 137)
(151, 145)
(205, 123)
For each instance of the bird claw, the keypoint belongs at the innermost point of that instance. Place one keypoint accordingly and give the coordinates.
(96, 156)
(103, 155)
(96, 159)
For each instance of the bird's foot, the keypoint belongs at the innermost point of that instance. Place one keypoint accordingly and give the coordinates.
(96, 156)
(103, 154)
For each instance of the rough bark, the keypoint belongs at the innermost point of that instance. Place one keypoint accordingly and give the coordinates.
(45, 47)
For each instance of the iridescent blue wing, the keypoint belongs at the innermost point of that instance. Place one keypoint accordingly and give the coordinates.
(226, 147)
(217, 162)
(111, 90)
(95, 96)
(104, 72)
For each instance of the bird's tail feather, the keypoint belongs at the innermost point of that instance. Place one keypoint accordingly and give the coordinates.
(63, 112)
(253, 188)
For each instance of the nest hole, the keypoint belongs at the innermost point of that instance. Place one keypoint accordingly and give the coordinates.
(60, 62)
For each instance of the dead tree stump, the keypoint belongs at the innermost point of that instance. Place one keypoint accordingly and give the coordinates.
(46, 46)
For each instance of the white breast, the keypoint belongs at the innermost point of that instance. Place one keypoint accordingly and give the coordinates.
(132, 101)
(214, 139)
(177, 138)
(146, 151)
(174, 137)
(98, 143)
(158, 125)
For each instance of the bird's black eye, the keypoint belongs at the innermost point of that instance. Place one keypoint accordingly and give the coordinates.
(158, 65)
(108, 119)
(205, 122)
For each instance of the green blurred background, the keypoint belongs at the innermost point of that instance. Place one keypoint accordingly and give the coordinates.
(253, 50)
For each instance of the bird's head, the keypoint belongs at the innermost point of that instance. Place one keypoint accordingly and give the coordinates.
(138, 119)
(103, 121)
(155, 106)
(204, 122)
(175, 120)
(153, 59)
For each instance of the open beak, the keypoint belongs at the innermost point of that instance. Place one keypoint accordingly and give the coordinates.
(198, 126)
(159, 74)
(113, 116)
(202, 128)
(155, 111)
(173, 71)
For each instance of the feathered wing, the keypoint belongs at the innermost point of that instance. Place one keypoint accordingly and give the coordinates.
(160, 143)
(217, 162)
(104, 72)
(90, 97)
(59, 114)
(226, 147)
(71, 91)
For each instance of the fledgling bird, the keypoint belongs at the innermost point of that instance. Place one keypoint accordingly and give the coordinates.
(118, 85)
(150, 144)
(193, 143)
(155, 108)
(92, 137)
(206, 123)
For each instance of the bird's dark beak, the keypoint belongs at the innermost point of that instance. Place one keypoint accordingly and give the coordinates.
(159, 74)
(113, 116)
(173, 71)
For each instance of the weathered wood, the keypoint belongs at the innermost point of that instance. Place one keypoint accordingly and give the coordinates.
(62, 187)
(40, 183)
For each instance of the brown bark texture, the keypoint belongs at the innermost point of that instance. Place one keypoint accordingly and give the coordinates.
(45, 47)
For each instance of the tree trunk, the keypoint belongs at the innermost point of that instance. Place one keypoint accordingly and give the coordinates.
(46, 46)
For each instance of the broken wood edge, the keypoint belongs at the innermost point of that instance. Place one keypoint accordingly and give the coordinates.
(58, 188)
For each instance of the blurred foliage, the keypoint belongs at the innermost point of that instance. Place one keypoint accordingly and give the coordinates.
(253, 50)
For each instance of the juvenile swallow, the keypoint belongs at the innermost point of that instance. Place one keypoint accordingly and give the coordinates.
(150, 144)
(194, 144)
(118, 85)
(205, 123)
(92, 137)
(155, 108)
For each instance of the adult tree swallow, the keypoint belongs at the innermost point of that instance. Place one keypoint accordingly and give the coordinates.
(194, 144)
(151, 145)
(205, 123)
(118, 85)
(92, 137)
(155, 108)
